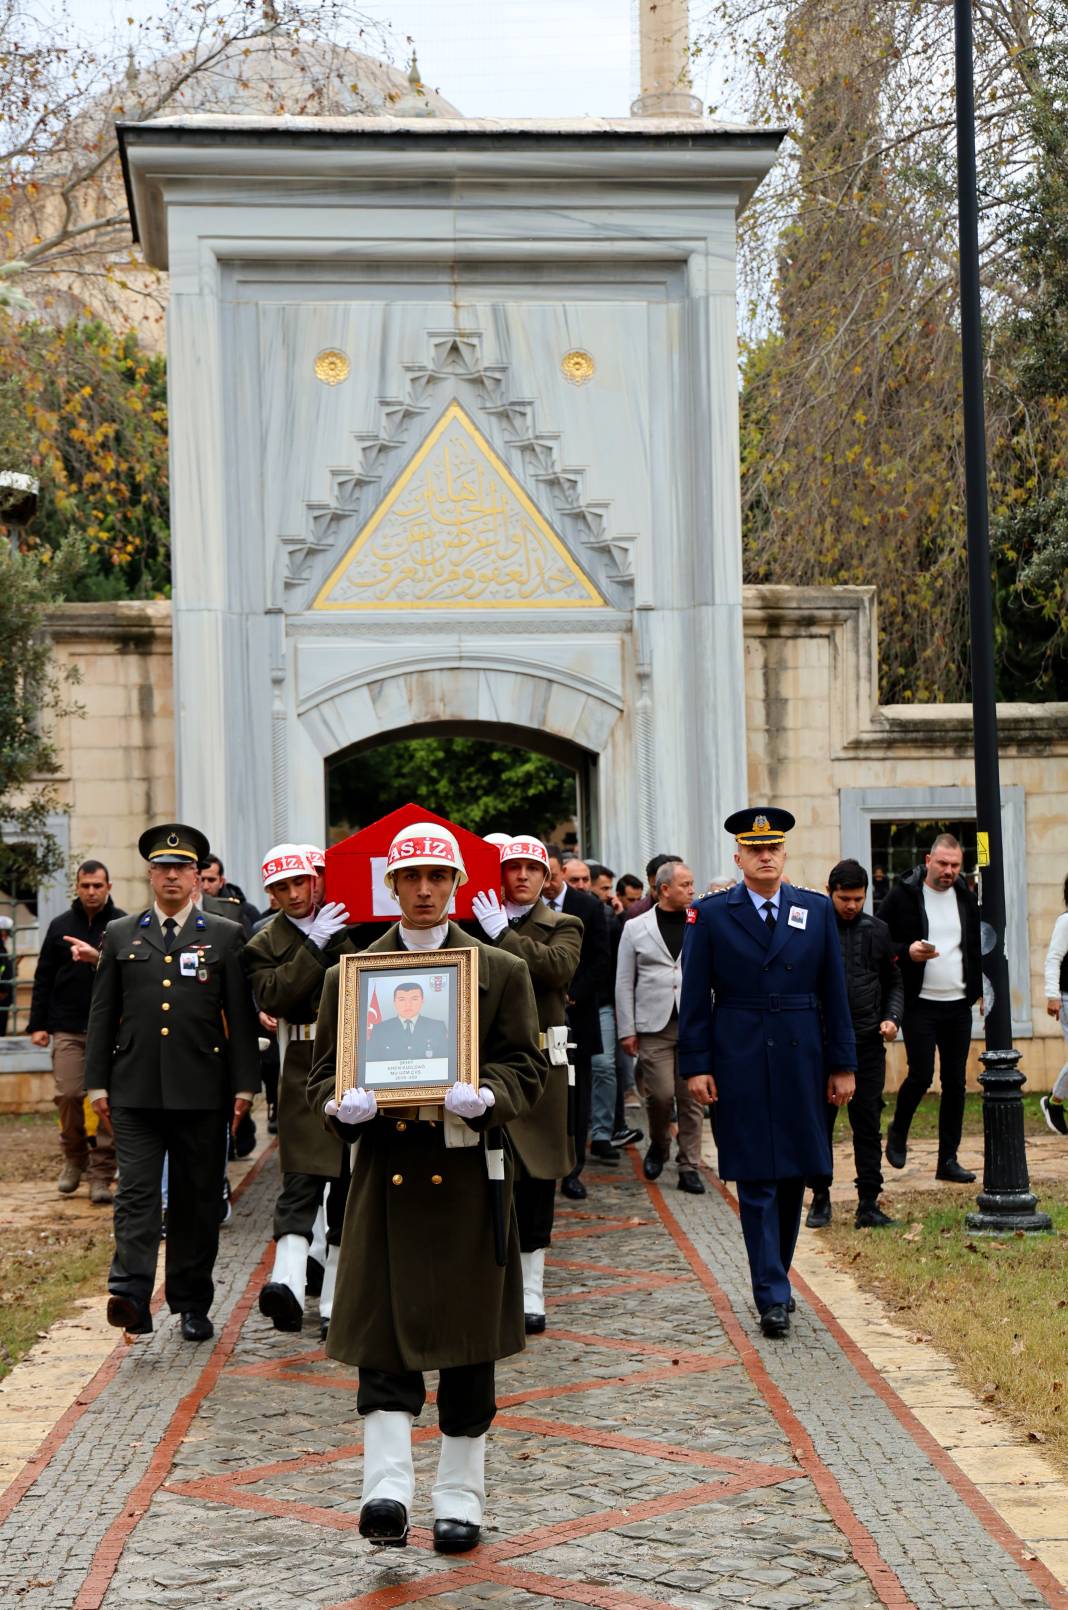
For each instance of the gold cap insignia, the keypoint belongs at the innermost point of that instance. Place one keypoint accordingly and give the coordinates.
(761, 824)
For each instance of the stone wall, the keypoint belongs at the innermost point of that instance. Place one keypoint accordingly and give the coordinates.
(117, 759)
(818, 744)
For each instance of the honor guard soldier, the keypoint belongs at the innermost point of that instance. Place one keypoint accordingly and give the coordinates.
(765, 1032)
(429, 1276)
(171, 1052)
(286, 963)
(550, 942)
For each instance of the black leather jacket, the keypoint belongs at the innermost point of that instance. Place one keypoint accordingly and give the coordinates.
(873, 978)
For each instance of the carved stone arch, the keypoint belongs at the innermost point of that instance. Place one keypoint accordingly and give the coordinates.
(368, 705)
(455, 368)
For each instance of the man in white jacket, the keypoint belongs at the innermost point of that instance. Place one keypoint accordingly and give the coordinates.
(648, 986)
(1057, 1006)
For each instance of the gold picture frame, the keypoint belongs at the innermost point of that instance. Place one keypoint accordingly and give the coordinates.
(424, 1007)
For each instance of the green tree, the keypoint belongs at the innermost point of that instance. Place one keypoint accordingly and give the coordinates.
(85, 410)
(484, 786)
(33, 694)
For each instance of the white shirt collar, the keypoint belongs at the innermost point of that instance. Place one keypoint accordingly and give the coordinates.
(423, 938)
(759, 900)
(303, 923)
(179, 918)
(513, 912)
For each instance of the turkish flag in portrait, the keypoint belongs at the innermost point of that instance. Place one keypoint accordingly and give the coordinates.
(373, 1014)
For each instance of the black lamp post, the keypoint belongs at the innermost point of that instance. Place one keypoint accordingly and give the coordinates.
(1006, 1201)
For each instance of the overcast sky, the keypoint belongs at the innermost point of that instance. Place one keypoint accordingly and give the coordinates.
(526, 58)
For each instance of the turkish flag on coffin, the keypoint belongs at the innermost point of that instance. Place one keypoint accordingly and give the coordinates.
(355, 868)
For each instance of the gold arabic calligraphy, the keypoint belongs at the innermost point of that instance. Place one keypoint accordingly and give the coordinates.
(457, 530)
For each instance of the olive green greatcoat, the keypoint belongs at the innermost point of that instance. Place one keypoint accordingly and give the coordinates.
(286, 972)
(550, 943)
(418, 1283)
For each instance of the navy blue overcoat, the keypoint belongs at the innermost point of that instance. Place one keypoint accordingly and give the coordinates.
(767, 1015)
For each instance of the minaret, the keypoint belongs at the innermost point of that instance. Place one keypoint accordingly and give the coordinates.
(665, 61)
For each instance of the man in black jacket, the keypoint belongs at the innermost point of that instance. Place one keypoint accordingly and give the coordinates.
(584, 992)
(59, 1009)
(933, 917)
(876, 1003)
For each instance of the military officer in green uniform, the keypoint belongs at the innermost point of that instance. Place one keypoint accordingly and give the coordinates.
(419, 1284)
(171, 1052)
(286, 963)
(550, 942)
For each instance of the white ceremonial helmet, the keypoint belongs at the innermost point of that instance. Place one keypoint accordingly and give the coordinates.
(286, 861)
(525, 849)
(315, 856)
(424, 844)
(498, 840)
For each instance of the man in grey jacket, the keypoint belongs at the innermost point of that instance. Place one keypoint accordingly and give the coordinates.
(648, 985)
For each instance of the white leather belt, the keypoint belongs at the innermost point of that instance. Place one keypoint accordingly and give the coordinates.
(302, 1031)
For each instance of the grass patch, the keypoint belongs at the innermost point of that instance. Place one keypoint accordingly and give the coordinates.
(44, 1268)
(998, 1307)
(41, 1277)
(925, 1124)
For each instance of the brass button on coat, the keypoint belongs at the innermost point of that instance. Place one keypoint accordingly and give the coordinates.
(164, 1032)
(435, 1179)
(168, 958)
(401, 1124)
(166, 1006)
(398, 1179)
(166, 983)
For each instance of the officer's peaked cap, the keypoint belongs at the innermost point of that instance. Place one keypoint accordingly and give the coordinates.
(759, 824)
(173, 844)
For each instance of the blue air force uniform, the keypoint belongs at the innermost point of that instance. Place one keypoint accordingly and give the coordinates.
(764, 1011)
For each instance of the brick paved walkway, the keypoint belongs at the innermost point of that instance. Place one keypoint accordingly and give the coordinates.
(651, 1450)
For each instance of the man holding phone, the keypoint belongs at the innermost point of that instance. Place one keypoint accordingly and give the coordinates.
(934, 919)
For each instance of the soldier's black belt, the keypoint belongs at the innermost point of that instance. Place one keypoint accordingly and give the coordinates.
(768, 1003)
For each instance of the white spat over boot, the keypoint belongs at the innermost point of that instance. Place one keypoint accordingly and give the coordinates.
(282, 1298)
(533, 1264)
(388, 1477)
(326, 1296)
(458, 1496)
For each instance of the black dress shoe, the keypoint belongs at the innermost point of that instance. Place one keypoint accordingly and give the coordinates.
(897, 1149)
(385, 1521)
(533, 1324)
(870, 1216)
(604, 1150)
(324, 1327)
(1053, 1113)
(573, 1187)
(627, 1137)
(653, 1164)
(278, 1304)
(819, 1213)
(272, 1118)
(197, 1328)
(456, 1537)
(951, 1170)
(690, 1180)
(129, 1316)
(775, 1321)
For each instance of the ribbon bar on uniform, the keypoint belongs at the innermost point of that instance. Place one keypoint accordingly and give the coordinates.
(768, 1003)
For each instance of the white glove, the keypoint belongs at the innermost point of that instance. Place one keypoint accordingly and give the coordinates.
(468, 1103)
(487, 908)
(355, 1107)
(331, 919)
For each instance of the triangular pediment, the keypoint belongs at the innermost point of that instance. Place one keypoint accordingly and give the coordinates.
(457, 531)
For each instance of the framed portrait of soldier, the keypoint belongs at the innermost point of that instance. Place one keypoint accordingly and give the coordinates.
(408, 1025)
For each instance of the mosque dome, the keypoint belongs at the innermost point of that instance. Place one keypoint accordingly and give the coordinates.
(279, 73)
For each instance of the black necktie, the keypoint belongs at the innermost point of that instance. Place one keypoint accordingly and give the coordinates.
(169, 927)
(769, 915)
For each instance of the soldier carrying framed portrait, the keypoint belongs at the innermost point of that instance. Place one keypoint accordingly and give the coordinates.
(407, 1025)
